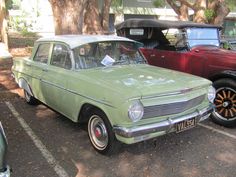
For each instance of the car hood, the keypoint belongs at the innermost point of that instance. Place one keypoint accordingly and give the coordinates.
(216, 51)
(143, 80)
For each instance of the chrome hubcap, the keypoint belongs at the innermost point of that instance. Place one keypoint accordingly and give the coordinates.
(225, 102)
(98, 132)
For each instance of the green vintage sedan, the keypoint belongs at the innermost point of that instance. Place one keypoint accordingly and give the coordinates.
(105, 81)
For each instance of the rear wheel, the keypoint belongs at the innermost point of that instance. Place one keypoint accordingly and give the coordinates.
(29, 99)
(100, 133)
(225, 102)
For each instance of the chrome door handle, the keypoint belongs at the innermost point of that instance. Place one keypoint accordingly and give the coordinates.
(163, 57)
(152, 55)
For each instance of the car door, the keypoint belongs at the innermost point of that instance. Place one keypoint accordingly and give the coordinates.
(195, 62)
(166, 58)
(38, 66)
(55, 79)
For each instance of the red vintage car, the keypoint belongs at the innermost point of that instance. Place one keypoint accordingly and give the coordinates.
(193, 48)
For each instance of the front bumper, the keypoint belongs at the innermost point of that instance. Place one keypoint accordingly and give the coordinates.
(166, 125)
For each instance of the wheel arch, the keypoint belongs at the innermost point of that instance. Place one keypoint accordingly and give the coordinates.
(231, 74)
(85, 109)
(24, 85)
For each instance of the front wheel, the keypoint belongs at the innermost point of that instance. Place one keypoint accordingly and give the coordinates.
(225, 102)
(100, 133)
(29, 98)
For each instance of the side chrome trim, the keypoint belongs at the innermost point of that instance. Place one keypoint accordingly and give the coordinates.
(165, 125)
(63, 88)
(74, 92)
(99, 101)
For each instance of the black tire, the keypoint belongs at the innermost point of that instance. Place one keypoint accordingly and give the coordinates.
(30, 99)
(100, 133)
(225, 102)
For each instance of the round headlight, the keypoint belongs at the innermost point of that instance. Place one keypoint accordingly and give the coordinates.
(135, 111)
(211, 94)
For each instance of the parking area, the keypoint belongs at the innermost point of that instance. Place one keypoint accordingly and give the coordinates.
(43, 143)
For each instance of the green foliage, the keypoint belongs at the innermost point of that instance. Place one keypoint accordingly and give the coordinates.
(13, 4)
(22, 24)
(209, 14)
(27, 33)
(231, 4)
(116, 3)
(159, 3)
(9, 4)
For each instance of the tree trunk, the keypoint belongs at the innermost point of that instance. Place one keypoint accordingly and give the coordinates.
(3, 23)
(92, 21)
(219, 7)
(221, 12)
(181, 10)
(183, 16)
(105, 15)
(68, 16)
(199, 11)
(80, 16)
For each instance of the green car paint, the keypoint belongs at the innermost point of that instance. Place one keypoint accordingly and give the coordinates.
(112, 88)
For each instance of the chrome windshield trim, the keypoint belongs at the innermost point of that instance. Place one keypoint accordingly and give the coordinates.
(165, 125)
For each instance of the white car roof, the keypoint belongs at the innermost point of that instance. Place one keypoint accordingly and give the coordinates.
(77, 40)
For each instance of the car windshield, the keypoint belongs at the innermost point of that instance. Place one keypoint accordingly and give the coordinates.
(202, 36)
(109, 53)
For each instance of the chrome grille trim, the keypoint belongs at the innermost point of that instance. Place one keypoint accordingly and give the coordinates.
(172, 108)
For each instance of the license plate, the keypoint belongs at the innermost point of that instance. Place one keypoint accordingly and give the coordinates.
(186, 124)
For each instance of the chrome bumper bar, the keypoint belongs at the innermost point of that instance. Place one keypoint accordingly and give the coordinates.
(165, 125)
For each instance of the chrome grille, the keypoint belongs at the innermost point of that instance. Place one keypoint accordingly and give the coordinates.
(172, 108)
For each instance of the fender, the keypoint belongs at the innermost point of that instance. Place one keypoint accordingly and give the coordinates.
(24, 85)
(224, 74)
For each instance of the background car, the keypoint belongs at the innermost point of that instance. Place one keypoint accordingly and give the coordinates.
(228, 44)
(105, 82)
(4, 169)
(192, 48)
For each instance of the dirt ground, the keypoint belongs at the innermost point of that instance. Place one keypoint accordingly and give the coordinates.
(8, 87)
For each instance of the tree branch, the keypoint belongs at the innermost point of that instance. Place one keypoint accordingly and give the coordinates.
(213, 4)
(174, 6)
(188, 4)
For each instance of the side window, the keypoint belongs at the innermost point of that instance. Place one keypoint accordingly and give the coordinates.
(42, 53)
(61, 56)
